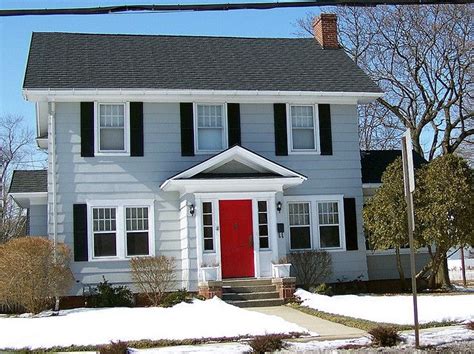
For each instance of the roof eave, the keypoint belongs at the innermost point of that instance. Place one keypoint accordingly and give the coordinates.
(173, 95)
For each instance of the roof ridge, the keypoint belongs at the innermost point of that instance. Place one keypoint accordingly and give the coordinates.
(169, 35)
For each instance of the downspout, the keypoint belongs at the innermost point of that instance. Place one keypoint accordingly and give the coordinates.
(52, 120)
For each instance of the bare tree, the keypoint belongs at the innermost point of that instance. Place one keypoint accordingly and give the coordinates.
(17, 151)
(421, 56)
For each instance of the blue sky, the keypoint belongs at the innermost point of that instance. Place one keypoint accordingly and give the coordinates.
(15, 33)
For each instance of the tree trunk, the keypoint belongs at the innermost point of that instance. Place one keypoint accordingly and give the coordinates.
(401, 273)
(443, 273)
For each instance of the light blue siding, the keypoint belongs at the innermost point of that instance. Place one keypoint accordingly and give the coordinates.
(111, 178)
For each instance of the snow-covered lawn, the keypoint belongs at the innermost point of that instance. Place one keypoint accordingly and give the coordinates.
(201, 319)
(432, 337)
(393, 309)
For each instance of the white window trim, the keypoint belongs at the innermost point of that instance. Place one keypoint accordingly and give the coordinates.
(126, 151)
(314, 227)
(317, 145)
(121, 230)
(311, 233)
(225, 142)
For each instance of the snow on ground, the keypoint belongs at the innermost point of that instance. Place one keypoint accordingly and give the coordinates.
(201, 319)
(431, 337)
(393, 309)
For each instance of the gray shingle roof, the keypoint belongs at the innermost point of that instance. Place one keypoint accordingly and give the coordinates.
(73, 60)
(29, 181)
(375, 162)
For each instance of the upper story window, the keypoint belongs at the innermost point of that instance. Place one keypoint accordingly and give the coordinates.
(112, 128)
(210, 128)
(303, 130)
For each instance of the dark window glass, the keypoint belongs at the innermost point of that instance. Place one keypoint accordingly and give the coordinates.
(262, 206)
(329, 236)
(105, 245)
(264, 242)
(137, 244)
(208, 244)
(300, 237)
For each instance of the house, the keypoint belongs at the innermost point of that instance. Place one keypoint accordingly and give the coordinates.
(215, 151)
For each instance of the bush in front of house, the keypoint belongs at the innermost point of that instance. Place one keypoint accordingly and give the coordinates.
(470, 325)
(33, 273)
(384, 336)
(154, 276)
(176, 297)
(310, 267)
(267, 344)
(108, 295)
(323, 289)
(114, 348)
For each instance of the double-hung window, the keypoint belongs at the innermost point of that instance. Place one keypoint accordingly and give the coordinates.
(210, 128)
(121, 229)
(112, 125)
(303, 129)
(329, 233)
(104, 223)
(300, 225)
(137, 228)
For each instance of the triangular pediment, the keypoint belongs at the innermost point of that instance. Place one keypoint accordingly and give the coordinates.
(236, 162)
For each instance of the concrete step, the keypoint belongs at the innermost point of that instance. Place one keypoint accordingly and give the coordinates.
(257, 303)
(246, 282)
(250, 296)
(248, 289)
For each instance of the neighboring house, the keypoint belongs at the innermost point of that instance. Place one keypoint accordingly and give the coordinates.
(211, 150)
(383, 264)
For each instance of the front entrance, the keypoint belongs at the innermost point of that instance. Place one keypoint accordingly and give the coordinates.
(237, 256)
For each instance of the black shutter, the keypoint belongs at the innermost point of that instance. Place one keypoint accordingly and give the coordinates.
(281, 138)
(136, 128)
(187, 130)
(87, 129)
(325, 134)
(233, 123)
(350, 223)
(80, 232)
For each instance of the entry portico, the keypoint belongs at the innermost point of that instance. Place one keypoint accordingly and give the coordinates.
(231, 199)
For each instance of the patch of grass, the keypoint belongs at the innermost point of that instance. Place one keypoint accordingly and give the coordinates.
(362, 324)
(147, 344)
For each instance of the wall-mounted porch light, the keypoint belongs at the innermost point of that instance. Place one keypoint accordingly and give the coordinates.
(279, 206)
(192, 210)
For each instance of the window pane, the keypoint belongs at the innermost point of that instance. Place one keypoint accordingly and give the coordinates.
(328, 213)
(207, 219)
(329, 236)
(208, 232)
(207, 207)
(263, 230)
(303, 139)
(137, 219)
(299, 213)
(208, 244)
(105, 245)
(262, 206)
(262, 218)
(137, 244)
(263, 242)
(112, 139)
(210, 139)
(300, 237)
(302, 116)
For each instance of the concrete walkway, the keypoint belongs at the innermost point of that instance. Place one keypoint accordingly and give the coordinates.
(327, 330)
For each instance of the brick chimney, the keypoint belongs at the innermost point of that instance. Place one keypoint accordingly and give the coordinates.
(325, 31)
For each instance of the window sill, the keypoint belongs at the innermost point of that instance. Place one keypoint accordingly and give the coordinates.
(111, 154)
(304, 152)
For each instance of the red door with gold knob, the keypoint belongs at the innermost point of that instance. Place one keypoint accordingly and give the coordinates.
(236, 232)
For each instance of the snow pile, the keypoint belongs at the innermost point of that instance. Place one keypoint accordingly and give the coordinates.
(201, 319)
(393, 309)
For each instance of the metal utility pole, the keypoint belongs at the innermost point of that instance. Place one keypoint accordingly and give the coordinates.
(409, 183)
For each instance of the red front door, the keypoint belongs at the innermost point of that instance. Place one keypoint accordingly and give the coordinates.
(235, 218)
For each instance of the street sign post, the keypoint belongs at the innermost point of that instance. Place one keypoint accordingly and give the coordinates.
(409, 183)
